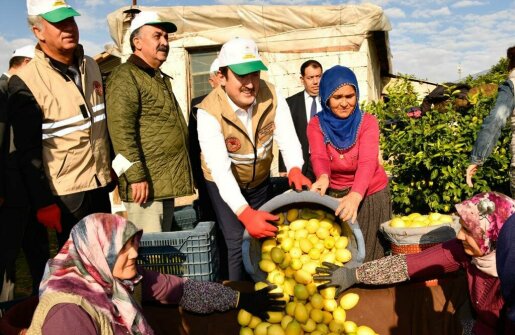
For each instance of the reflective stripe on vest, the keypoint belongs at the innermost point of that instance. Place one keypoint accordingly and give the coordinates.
(74, 123)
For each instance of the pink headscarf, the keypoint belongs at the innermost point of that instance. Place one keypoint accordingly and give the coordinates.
(483, 216)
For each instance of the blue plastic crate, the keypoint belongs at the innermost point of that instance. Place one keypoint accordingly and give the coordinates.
(184, 218)
(191, 253)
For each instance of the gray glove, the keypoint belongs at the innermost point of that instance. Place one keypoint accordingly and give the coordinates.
(341, 277)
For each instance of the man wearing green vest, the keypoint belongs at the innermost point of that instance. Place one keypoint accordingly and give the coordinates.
(148, 129)
(237, 123)
(56, 109)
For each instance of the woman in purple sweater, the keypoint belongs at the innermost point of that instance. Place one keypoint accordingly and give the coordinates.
(344, 146)
(474, 250)
(89, 285)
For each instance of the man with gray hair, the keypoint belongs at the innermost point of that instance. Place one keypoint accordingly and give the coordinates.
(147, 127)
(56, 108)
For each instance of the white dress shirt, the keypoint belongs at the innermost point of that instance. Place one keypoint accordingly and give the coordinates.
(212, 145)
(308, 100)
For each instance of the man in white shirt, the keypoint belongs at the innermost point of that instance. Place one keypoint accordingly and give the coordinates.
(303, 105)
(237, 123)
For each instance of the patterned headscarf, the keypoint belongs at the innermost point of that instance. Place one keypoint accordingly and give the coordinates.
(340, 133)
(484, 215)
(84, 267)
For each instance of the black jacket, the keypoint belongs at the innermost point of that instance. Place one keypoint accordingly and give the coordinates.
(297, 106)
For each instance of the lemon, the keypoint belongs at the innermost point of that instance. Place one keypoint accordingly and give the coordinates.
(322, 327)
(317, 301)
(310, 267)
(302, 277)
(329, 257)
(365, 330)
(287, 244)
(286, 320)
(335, 326)
(281, 218)
(268, 244)
(312, 226)
(301, 314)
(314, 253)
(254, 322)
(339, 315)
(275, 317)
(275, 330)
(329, 242)
(295, 252)
(316, 315)
(293, 328)
(397, 223)
(300, 292)
(328, 292)
(349, 300)
(305, 245)
(343, 255)
(261, 328)
(260, 285)
(350, 326)
(330, 305)
(244, 317)
(341, 242)
(313, 239)
(286, 261)
(277, 255)
(246, 331)
(327, 317)
(312, 288)
(335, 230)
(290, 308)
(292, 214)
(300, 234)
(266, 265)
(296, 264)
(322, 233)
(309, 326)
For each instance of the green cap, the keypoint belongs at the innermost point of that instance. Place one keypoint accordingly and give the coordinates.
(60, 14)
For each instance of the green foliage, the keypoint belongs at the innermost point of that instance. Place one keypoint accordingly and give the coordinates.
(428, 157)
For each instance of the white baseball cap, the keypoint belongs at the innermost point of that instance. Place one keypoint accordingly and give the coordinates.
(241, 56)
(214, 66)
(51, 10)
(151, 18)
(25, 51)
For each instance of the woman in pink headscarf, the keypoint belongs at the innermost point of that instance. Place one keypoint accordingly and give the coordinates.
(89, 285)
(473, 250)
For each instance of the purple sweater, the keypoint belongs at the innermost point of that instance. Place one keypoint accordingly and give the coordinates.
(166, 289)
(484, 289)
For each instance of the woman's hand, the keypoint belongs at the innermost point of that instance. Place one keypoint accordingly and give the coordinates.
(471, 171)
(321, 185)
(348, 208)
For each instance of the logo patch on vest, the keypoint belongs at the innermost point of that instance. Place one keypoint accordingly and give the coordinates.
(98, 88)
(233, 144)
(267, 130)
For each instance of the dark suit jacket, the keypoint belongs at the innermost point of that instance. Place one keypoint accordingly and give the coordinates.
(298, 113)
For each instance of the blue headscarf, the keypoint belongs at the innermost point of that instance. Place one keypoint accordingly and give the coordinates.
(340, 133)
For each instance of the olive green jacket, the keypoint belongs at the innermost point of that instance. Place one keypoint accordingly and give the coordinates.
(147, 127)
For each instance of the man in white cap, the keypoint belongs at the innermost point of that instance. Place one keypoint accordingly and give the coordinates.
(18, 225)
(56, 108)
(237, 123)
(148, 128)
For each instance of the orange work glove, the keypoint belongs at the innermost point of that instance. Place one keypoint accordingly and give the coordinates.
(50, 217)
(256, 222)
(297, 180)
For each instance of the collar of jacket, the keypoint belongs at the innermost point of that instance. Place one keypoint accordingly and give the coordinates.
(78, 57)
(142, 64)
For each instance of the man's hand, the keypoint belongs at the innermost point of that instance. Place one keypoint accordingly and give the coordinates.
(471, 171)
(257, 224)
(139, 192)
(297, 179)
(321, 185)
(341, 277)
(50, 217)
(348, 207)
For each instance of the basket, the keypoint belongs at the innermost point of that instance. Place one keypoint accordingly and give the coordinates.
(184, 218)
(192, 253)
(414, 240)
(251, 247)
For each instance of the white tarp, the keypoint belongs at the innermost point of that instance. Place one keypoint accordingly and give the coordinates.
(275, 28)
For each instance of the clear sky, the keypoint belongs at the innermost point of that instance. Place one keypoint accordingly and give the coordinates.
(430, 39)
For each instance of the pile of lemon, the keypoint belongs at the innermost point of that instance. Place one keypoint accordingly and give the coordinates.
(417, 220)
(305, 239)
